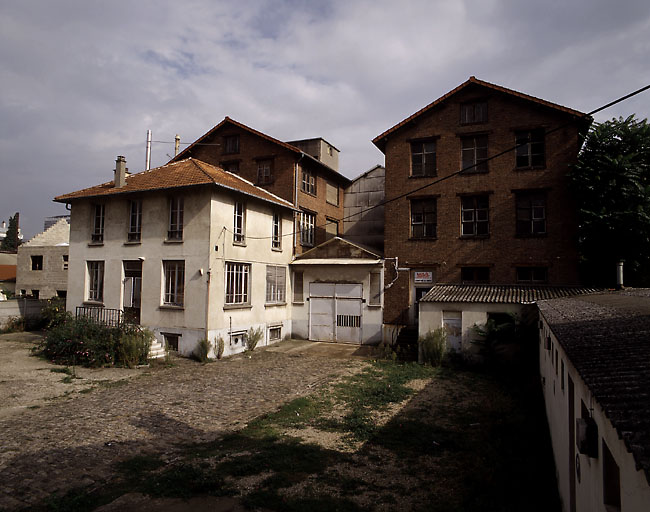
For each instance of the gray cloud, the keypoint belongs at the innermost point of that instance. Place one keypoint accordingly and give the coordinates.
(82, 81)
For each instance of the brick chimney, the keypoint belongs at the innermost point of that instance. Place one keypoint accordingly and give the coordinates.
(120, 172)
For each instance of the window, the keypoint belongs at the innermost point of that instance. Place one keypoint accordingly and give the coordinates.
(275, 333)
(475, 274)
(307, 226)
(97, 236)
(332, 193)
(276, 284)
(276, 232)
(171, 341)
(37, 262)
(474, 151)
(423, 158)
(331, 228)
(264, 172)
(532, 275)
(298, 287)
(423, 218)
(375, 289)
(475, 112)
(135, 221)
(474, 216)
(232, 167)
(531, 213)
(96, 281)
(530, 148)
(611, 481)
(231, 144)
(237, 283)
(174, 283)
(239, 227)
(175, 231)
(65, 261)
(308, 182)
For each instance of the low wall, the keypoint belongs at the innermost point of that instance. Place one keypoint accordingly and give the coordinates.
(28, 308)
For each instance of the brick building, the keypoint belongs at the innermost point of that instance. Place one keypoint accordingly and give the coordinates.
(507, 218)
(303, 172)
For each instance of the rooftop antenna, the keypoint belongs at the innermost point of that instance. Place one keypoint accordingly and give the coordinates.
(147, 164)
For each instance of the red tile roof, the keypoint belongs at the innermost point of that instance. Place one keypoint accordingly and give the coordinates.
(379, 140)
(184, 173)
(7, 272)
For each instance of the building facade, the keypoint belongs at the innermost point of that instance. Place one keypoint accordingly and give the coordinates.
(42, 269)
(304, 177)
(187, 249)
(463, 206)
(595, 372)
(364, 212)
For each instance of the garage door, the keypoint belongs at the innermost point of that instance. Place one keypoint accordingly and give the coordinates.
(335, 312)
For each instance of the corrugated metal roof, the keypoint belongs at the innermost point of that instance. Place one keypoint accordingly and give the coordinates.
(500, 294)
(607, 338)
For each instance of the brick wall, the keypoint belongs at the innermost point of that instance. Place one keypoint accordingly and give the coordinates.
(502, 251)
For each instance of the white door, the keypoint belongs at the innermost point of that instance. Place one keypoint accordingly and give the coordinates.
(321, 311)
(348, 312)
(335, 312)
(453, 323)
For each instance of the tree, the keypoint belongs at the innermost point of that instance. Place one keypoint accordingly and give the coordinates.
(611, 184)
(11, 242)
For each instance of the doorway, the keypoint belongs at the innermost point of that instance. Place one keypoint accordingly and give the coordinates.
(132, 290)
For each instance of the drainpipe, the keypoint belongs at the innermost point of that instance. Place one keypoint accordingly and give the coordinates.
(295, 202)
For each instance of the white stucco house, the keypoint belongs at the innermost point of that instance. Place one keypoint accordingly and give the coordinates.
(338, 293)
(187, 249)
(594, 356)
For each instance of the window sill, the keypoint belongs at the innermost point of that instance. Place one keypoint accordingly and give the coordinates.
(298, 302)
(472, 171)
(173, 241)
(239, 244)
(276, 249)
(417, 177)
(531, 168)
(374, 305)
(171, 307)
(93, 303)
(95, 244)
(308, 193)
(133, 243)
(473, 237)
(274, 304)
(423, 239)
(237, 306)
(332, 204)
(531, 235)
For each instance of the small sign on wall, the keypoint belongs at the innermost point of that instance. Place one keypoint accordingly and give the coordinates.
(422, 277)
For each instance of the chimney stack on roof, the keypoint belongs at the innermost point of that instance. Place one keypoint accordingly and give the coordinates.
(120, 172)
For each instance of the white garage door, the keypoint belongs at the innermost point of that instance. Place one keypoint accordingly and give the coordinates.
(335, 312)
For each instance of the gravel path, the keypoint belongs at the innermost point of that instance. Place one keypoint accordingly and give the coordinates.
(75, 439)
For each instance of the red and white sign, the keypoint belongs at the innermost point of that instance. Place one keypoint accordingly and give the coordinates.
(422, 277)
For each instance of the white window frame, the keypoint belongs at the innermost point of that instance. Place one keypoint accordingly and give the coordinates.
(473, 218)
(308, 182)
(276, 284)
(176, 207)
(374, 290)
(95, 281)
(174, 286)
(237, 283)
(307, 228)
(239, 223)
(276, 232)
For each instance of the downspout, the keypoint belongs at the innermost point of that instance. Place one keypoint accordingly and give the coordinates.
(295, 202)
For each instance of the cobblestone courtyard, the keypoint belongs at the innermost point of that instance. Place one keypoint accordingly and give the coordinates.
(63, 439)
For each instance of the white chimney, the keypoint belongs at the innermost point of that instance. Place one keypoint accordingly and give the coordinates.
(177, 144)
(120, 172)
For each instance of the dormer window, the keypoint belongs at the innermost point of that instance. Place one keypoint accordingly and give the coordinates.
(474, 112)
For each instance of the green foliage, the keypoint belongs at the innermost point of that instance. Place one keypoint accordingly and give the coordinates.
(11, 242)
(433, 346)
(54, 313)
(253, 338)
(220, 345)
(83, 342)
(13, 324)
(202, 351)
(611, 185)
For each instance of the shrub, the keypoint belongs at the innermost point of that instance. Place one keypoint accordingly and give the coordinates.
(433, 346)
(54, 313)
(13, 324)
(220, 345)
(202, 351)
(83, 342)
(253, 338)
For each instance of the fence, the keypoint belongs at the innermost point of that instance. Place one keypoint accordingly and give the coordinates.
(106, 316)
(27, 308)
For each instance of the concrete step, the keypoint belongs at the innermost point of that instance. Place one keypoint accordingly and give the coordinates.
(156, 351)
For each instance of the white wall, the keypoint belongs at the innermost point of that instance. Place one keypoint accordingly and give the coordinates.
(635, 491)
(371, 320)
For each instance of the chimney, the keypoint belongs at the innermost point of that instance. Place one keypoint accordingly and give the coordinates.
(120, 172)
(177, 144)
(619, 275)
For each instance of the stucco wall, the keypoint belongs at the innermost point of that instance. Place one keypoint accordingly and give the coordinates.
(371, 315)
(51, 279)
(635, 490)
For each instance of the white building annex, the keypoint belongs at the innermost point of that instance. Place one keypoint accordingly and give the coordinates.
(187, 249)
(594, 357)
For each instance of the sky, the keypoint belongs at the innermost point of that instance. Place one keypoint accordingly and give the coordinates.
(81, 81)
